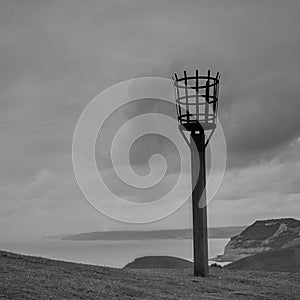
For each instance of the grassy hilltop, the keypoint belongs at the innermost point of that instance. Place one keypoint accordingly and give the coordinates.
(27, 277)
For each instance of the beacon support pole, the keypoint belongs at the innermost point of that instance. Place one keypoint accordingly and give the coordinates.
(200, 242)
(196, 99)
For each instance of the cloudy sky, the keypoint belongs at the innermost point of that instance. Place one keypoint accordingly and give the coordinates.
(56, 56)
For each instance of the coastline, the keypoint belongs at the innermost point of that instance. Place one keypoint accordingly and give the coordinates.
(109, 253)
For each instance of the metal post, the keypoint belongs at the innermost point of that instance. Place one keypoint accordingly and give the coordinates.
(198, 120)
(199, 204)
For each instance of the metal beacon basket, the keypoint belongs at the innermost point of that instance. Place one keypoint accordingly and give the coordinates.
(196, 99)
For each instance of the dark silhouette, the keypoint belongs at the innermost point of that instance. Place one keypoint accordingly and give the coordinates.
(196, 106)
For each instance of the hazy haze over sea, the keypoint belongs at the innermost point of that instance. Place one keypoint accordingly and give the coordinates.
(107, 253)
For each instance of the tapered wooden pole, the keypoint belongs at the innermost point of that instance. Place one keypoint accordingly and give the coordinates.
(199, 204)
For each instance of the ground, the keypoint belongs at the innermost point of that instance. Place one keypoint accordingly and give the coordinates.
(25, 277)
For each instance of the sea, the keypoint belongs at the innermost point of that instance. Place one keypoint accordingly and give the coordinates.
(108, 253)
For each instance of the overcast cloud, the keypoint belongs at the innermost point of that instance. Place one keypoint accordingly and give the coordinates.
(56, 56)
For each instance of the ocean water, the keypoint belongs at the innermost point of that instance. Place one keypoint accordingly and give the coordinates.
(108, 253)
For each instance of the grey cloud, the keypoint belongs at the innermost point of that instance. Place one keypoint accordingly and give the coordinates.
(47, 191)
(58, 55)
(278, 178)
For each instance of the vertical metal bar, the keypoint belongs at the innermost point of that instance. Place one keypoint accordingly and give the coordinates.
(217, 93)
(186, 97)
(197, 97)
(207, 97)
(200, 242)
(215, 83)
(178, 96)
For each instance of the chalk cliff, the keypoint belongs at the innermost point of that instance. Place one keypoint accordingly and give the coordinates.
(263, 236)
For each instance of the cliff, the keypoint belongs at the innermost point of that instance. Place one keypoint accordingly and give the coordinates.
(263, 236)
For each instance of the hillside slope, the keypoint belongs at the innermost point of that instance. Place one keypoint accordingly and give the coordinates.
(25, 277)
(159, 262)
(263, 236)
(286, 260)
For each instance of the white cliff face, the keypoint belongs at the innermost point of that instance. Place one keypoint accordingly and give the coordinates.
(263, 236)
(233, 252)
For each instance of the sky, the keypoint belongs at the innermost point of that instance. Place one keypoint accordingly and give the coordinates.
(56, 56)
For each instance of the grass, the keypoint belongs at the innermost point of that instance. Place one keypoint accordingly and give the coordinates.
(284, 260)
(26, 277)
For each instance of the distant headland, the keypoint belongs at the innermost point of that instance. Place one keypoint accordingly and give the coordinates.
(214, 232)
(262, 236)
